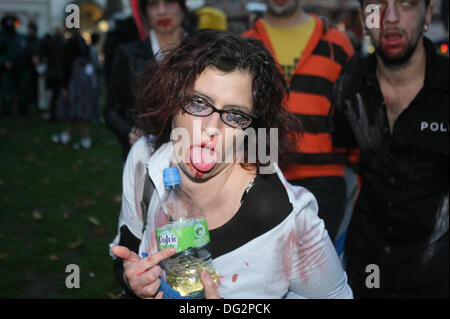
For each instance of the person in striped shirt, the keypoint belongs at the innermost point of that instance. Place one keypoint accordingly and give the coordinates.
(311, 53)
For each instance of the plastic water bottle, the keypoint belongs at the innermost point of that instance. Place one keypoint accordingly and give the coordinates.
(181, 224)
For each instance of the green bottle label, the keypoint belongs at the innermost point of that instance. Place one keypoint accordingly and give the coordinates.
(192, 233)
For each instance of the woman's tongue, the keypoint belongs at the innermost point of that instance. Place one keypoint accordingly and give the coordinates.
(202, 158)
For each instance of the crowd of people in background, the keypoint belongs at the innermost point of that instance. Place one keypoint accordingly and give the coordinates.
(59, 77)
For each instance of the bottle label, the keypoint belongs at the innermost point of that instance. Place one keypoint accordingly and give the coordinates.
(194, 234)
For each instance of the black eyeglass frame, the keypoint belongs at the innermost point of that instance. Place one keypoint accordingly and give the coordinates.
(214, 109)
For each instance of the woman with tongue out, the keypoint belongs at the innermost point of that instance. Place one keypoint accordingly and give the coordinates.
(266, 238)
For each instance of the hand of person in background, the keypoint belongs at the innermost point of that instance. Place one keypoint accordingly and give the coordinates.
(134, 135)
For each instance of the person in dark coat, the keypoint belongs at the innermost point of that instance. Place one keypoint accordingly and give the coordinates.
(125, 31)
(15, 73)
(54, 54)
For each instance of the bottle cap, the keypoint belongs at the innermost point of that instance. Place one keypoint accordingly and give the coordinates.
(171, 176)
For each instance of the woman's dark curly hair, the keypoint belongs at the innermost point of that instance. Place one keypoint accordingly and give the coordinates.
(167, 85)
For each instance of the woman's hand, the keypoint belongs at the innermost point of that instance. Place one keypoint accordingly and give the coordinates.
(142, 274)
(209, 286)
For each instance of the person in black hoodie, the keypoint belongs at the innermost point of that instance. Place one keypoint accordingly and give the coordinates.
(164, 18)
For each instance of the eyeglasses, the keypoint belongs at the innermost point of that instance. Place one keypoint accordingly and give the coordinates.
(200, 107)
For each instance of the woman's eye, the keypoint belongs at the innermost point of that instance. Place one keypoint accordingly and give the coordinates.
(237, 119)
(198, 106)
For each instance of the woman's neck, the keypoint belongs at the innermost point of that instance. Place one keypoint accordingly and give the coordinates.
(219, 197)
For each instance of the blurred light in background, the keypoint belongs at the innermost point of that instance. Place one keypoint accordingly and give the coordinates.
(103, 26)
(341, 26)
(17, 23)
(443, 48)
(87, 37)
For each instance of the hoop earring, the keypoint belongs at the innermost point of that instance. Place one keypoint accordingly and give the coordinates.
(425, 28)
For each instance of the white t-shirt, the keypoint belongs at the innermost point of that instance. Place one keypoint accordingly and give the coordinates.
(294, 259)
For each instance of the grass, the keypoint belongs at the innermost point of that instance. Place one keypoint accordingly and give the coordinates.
(58, 206)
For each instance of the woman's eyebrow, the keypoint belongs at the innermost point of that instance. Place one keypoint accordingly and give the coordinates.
(202, 95)
(241, 108)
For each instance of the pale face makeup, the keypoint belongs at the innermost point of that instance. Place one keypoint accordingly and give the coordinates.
(165, 16)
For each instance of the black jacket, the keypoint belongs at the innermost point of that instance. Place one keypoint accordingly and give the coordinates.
(400, 221)
(125, 31)
(130, 61)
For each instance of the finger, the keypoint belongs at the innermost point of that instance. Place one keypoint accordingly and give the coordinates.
(209, 286)
(155, 259)
(151, 290)
(124, 253)
(149, 276)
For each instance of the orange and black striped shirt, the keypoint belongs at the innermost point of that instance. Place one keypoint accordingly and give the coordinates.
(310, 98)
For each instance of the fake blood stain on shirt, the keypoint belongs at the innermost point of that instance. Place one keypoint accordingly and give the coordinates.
(234, 278)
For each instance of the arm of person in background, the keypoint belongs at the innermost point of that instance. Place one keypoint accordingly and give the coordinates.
(134, 135)
(344, 140)
(117, 95)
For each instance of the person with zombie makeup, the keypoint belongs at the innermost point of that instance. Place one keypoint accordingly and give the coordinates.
(160, 26)
(266, 238)
(393, 106)
(311, 53)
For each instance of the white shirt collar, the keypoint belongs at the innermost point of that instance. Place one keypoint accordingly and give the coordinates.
(157, 162)
(155, 46)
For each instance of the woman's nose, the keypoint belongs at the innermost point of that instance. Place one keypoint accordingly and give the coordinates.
(212, 124)
(162, 7)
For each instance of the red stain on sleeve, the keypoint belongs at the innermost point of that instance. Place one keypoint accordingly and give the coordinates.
(234, 278)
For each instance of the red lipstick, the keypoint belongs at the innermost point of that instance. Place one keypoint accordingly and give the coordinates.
(164, 22)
